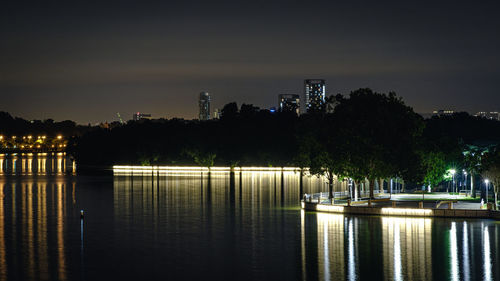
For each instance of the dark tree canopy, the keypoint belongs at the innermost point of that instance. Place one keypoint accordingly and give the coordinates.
(365, 135)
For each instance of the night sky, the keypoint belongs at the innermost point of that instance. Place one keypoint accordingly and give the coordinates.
(87, 60)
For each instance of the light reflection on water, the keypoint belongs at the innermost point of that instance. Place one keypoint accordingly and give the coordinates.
(453, 252)
(27, 164)
(487, 253)
(32, 230)
(404, 244)
(186, 226)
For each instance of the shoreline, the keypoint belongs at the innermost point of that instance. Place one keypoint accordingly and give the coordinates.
(401, 212)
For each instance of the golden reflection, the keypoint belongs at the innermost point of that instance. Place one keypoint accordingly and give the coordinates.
(59, 168)
(30, 165)
(26, 245)
(38, 165)
(30, 230)
(407, 248)
(331, 254)
(303, 243)
(15, 159)
(3, 254)
(244, 199)
(43, 265)
(35, 163)
(60, 232)
(14, 211)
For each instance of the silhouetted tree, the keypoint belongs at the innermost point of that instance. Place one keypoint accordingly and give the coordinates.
(491, 171)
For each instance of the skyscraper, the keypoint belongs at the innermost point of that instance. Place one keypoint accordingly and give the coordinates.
(314, 90)
(289, 103)
(204, 103)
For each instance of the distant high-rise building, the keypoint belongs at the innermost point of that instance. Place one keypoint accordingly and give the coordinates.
(289, 103)
(140, 116)
(216, 114)
(204, 103)
(314, 90)
(494, 115)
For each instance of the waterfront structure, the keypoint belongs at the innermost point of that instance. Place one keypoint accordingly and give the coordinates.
(493, 115)
(314, 90)
(204, 103)
(141, 116)
(289, 103)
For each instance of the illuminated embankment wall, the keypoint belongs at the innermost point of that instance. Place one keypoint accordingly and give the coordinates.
(402, 212)
(190, 169)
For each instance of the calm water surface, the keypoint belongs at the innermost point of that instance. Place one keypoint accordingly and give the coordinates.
(183, 226)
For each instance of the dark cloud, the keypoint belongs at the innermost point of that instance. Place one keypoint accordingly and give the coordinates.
(90, 59)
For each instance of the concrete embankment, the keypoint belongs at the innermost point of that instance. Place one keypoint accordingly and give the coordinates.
(401, 212)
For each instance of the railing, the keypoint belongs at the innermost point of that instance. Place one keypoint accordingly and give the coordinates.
(338, 195)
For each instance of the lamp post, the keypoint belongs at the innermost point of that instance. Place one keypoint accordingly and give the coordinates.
(453, 172)
(486, 181)
(465, 182)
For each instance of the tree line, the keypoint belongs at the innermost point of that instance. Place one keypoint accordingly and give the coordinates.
(15, 126)
(365, 136)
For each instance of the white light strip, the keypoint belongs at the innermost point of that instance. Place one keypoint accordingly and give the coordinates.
(384, 211)
(329, 208)
(129, 169)
(406, 212)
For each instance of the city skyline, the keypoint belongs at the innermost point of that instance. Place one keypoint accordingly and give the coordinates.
(211, 112)
(86, 61)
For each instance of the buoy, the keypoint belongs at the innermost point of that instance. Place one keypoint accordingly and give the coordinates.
(81, 214)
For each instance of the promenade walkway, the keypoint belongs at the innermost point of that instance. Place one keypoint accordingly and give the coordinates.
(433, 205)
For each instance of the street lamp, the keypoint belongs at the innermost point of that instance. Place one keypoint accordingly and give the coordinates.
(465, 182)
(453, 172)
(486, 181)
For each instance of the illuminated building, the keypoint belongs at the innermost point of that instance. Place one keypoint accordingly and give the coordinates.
(204, 103)
(289, 103)
(314, 90)
(494, 115)
(217, 114)
(141, 116)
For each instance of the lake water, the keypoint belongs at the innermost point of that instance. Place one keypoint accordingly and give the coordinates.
(181, 226)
